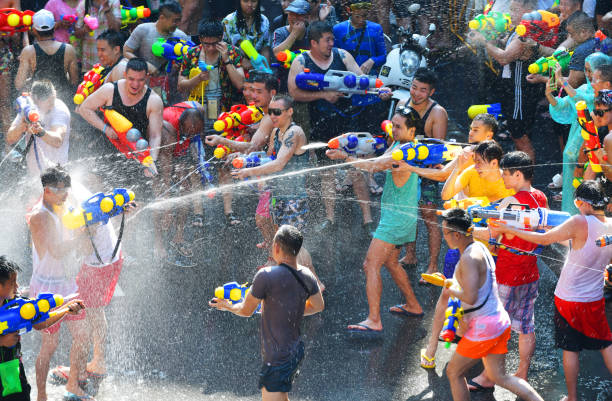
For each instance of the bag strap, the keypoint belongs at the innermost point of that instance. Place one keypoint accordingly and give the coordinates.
(93, 245)
(297, 277)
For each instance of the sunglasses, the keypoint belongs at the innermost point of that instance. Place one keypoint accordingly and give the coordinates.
(210, 43)
(407, 111)
(276, 112)
(59, 191)
(600, 112)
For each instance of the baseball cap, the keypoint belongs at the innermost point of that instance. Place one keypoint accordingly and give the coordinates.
(301, 7)
(43, 21)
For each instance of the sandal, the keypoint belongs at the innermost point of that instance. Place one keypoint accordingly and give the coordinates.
(231, 219)
(375, 189)
(198, 220)
(427, 362)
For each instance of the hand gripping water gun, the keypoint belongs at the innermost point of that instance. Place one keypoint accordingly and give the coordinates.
(541, 26)
(466, 203)
(601, 46)
(12, 20)
(589, 134)
(258, 61)
(203, 166)
(476, 109)
(436, 279)
(92, 80)
(99, 208)
(491, 25)
(346, 82)
(454, 313)
(527, 218)
(547, 65)
(421, 154)
(130, 141)
(287, 56)
(253, 159)
(173, 50)
(604, 240)
(132, 15)
(21, 314)
(234, 293)
(197, 93)
(26, 108)
(387, 127)
(358, 143)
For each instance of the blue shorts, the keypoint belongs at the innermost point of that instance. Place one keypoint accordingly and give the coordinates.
(519, 302)
(279, 379)
(289, 211)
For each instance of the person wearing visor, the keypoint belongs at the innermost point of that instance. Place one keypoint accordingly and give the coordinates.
(580, 315)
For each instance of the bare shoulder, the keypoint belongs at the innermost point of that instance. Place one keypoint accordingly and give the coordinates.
(38, 218)
(154, 104)
(439, 112)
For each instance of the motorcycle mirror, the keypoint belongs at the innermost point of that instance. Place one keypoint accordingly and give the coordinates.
(432, 28)
(414, 8)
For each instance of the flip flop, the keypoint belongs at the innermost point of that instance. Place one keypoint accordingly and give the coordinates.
(478, 388)
(427, 362)
(58, 375)
(404, 312)
(68, 396)
(366, 330)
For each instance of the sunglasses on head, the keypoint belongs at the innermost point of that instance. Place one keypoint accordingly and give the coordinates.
(276, 112)
(600, 112)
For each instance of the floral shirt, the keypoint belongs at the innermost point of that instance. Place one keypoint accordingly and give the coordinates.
(229, 93)
(88, 42)
(233, 35)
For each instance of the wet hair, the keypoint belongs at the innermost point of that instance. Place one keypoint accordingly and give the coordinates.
(42, 89)
(289, 238)
(55, 175)
(410, 115)
(286, 99)
(270, 80)
(488, 120)
(591, 192)
(46, 34)
(317, 29)
(137, 64)
(113, 38)
(605, 70)
(426, 76)
(518, 161)
(457, 220)
(210, 29)
(192, 114)
(241, 20)
(580, 20)
(170, 7)
(489, 151)
(7, 269)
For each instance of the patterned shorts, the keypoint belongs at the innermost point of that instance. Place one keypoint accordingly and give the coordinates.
(289, 211)
(519, 302)
(6, 60)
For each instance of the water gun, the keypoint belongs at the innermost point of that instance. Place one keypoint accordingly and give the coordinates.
(99, 208)
(258, 61)
(346, 82)
(547, 65)
(130, 141)
(387, 127)
(422, 154)
(601, 46)
(493, 109)
(26, 108)
(541, 26)
(358, 143)
(604, 240)
(173, 50)
(437, 279)
(92, 80)
(197, 93)
(238, 118)
(527, 218)
(21, 314)
(132, 15)
(69, 18)
(287, 56)
(234, 293)
(253, 159)
(589, 134)
(466, 203)
(92, 23)
(491, 25)
(203, 166)
(454, 313)
(12, 20)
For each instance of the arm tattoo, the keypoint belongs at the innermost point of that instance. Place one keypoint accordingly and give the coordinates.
(288, 142)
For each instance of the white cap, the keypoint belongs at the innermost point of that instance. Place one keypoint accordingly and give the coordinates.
(43, 21)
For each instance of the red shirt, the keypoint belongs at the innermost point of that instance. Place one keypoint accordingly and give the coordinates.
(512, 269)
(172, 114)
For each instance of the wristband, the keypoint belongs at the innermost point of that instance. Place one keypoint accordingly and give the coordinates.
(565, 83)
(41, 133)
(104, 129)
(227, 62)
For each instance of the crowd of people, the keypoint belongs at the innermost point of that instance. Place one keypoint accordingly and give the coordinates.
(175, 105)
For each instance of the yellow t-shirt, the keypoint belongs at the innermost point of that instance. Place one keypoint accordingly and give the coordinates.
(474, 185)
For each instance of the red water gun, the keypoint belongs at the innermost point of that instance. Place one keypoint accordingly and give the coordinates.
(92, 80)
(589, 134)
(12, 20)
(233, 123)
(541, 26)
(130, 141)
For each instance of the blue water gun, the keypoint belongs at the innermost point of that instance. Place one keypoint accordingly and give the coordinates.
(173, 50)
(23, 313)
(99, 208)
(26, 108)
(433, 151)
(604, 240)
(525, 218)
(258, 61)
(359, 144)
(204, 167)
(346, 82)
(493, 109)
(253, 159)
(205, 67)
(234, 293)
(454, 313)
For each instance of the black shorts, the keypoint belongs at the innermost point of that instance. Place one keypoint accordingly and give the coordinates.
(569, 339)
(279, 379)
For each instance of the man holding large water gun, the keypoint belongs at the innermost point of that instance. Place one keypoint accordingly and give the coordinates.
(486, 323)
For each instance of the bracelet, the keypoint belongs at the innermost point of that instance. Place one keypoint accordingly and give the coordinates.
(565, 83)
(104, 129)
(227, 62)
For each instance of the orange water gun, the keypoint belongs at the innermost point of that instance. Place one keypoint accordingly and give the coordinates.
(589, 134)
(92, 80)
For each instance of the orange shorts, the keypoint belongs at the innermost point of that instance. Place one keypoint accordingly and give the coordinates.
(480, 349)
